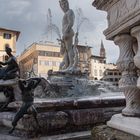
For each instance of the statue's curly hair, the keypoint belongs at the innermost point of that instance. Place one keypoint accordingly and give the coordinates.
(7, 48)
(63, 1)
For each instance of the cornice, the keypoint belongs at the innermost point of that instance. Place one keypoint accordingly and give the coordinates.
(103, 4)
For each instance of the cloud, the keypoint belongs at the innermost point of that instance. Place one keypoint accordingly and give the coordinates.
(29, 17)
(15, 7)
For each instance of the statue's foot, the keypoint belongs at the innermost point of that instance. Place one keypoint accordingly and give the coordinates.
(68, 69)
(72, 68)
(11, 130)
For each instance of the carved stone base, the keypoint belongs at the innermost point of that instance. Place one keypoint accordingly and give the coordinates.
(126, 124)
(64, 116)
(138, 83)
(132, 108)
(52, 123)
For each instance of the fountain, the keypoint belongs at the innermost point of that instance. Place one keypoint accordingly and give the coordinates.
(67, 101)
(51, 26)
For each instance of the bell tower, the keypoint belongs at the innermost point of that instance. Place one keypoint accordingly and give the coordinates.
(102, 50)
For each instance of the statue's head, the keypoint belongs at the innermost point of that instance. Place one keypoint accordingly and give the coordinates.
(8, 50)
(64, 4)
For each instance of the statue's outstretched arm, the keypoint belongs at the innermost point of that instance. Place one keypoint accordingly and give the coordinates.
(34, 82)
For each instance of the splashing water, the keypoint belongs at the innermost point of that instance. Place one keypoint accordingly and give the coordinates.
(51, 27)
(81, 19)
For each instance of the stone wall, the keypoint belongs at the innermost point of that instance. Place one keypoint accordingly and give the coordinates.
(64, 115)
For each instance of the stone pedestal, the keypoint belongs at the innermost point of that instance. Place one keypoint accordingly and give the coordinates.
(76, 84)
(129, 77)
(124, 29)
(65, 79)
(63, 115)
(136, 33)
(126, 124)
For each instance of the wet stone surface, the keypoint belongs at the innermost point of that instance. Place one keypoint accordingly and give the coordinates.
(64, 115)
(43, 105)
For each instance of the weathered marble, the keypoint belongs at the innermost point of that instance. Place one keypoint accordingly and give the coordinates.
(136, 33)
(127, 124)
(122, 15)
(65, 115)
(74, 103)
(104, 132)
(123, 28)
(68, 50)
(129, 77)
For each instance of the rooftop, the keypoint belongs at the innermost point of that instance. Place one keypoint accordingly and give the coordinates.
(11, 30)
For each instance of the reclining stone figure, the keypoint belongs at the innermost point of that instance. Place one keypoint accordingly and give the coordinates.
(26, 87)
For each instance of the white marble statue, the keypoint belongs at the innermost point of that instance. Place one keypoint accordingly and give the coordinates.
(68, 50)
(124, 30)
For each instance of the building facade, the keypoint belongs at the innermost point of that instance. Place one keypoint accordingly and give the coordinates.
(8, 38)
(85, 53)
(42, 57)
(112, 75)
(99, 65)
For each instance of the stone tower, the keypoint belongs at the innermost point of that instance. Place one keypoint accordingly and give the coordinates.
(102, 50)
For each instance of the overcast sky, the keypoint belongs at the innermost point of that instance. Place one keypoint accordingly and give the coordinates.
(29, 17)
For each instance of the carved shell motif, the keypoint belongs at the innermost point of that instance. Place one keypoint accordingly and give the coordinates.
(113, 14)
(131, 4)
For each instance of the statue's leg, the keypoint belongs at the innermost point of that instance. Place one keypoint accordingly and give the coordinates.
(20, 114)
(66, 59)
(65, 63)
(34, 113)
(70, 51)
